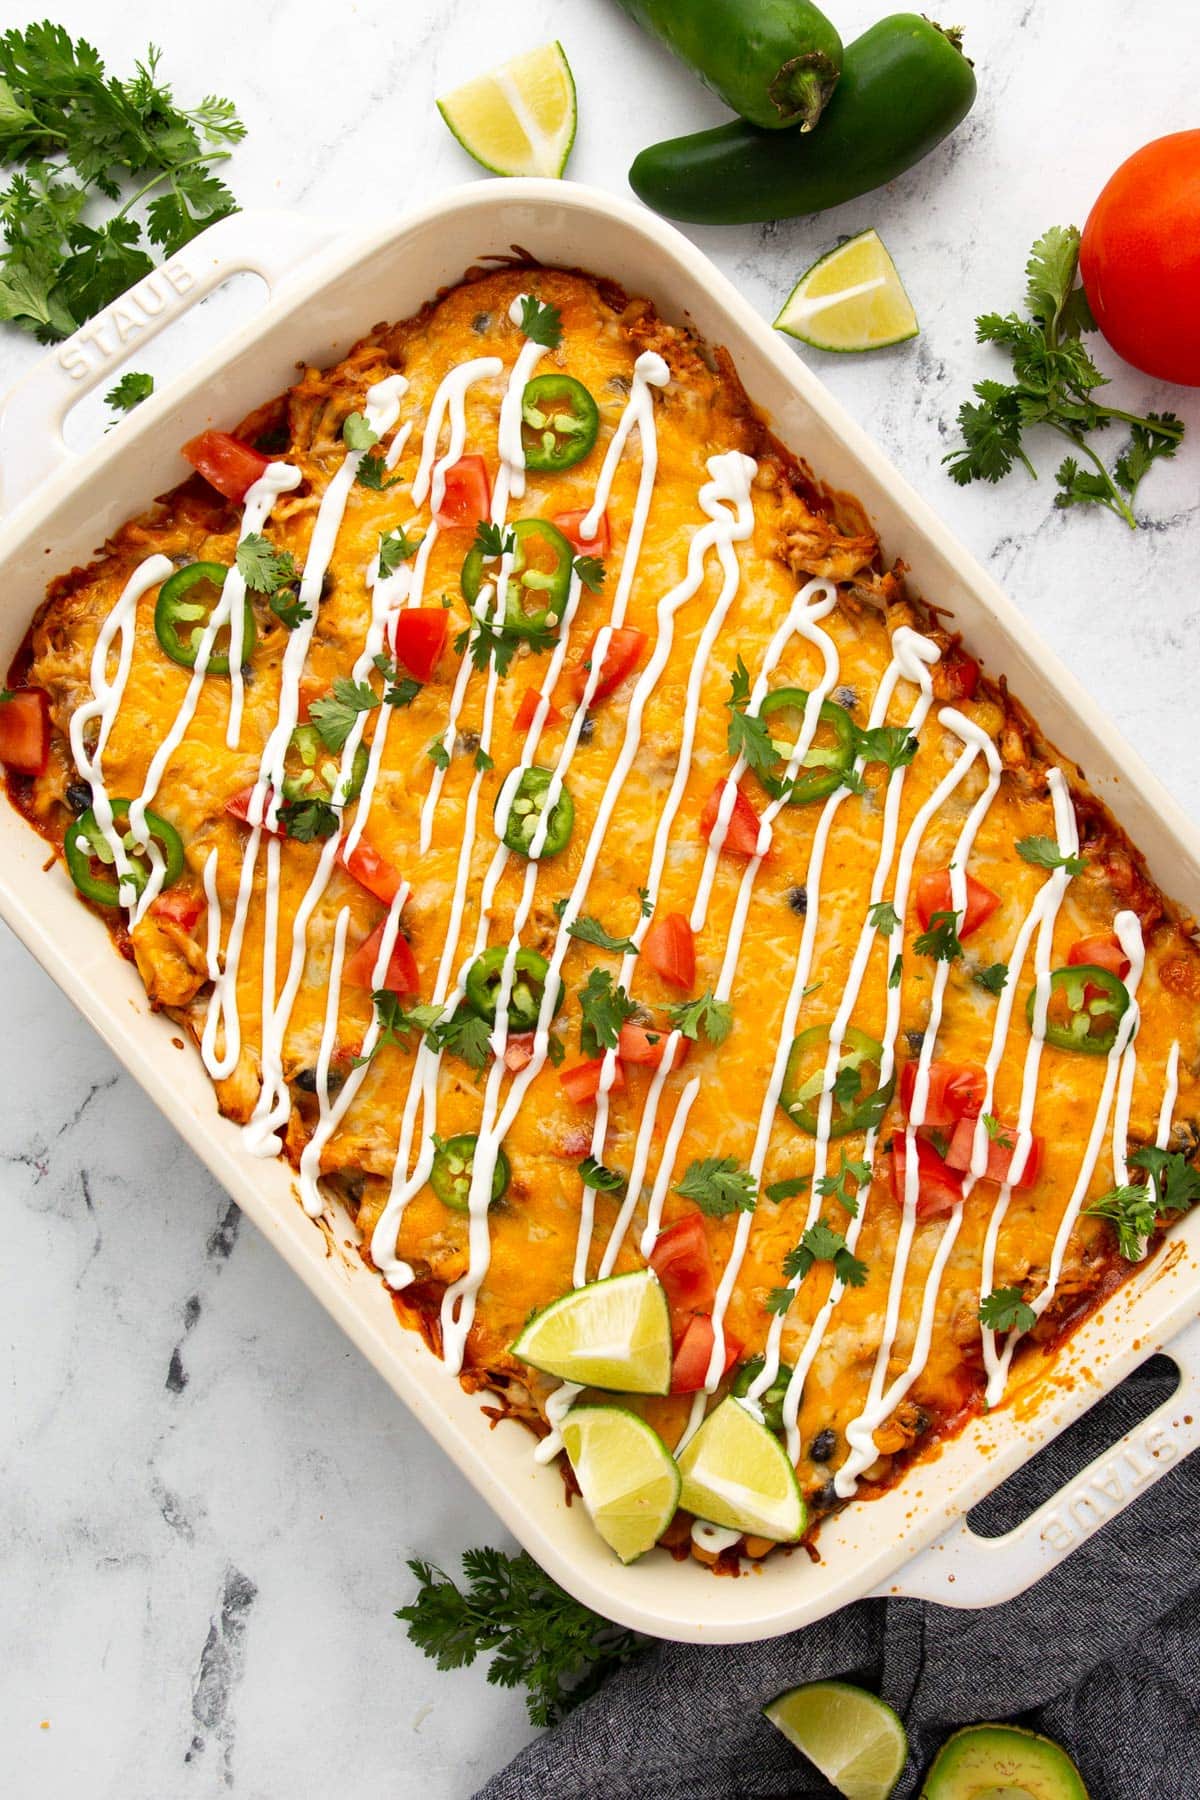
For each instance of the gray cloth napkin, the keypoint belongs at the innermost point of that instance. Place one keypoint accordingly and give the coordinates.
(1103, 1655)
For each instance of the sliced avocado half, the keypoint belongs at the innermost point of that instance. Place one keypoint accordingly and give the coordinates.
(1002, 1762)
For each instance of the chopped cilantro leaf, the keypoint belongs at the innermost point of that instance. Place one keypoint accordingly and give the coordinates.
(719, 1186)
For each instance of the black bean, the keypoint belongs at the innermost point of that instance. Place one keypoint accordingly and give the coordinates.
(825, 1498)
(481, 322)
(275, 442)
(798, 900)
(587, 730)
(78, 796)
(914, 1040)
(823, 1445)
(847, 697)
(467, 743)
(305, 1080)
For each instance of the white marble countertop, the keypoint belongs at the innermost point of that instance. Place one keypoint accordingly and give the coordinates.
(207, 1496)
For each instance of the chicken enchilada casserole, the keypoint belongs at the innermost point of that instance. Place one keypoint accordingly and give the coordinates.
(735, 1031)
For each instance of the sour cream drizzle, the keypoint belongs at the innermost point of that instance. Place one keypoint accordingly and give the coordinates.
(910, 655)
(998, 1362)
(650, 371)
(449, 402)
(1040, 916)
(277, 478)
(801, 620)
(104, 706)
(274, 1101)
(976, 742)
(728, 488)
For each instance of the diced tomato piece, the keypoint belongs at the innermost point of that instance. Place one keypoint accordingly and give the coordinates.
(741, 833)
(372, 871)
(625, 646)
(238, 807)
(518, 1051)
(468, 495)
(180, 906)
(1000, 1155)
(940, 1187)
(956, 676)
(1103, 952)
(581, 1082)
(569, 522)
(693, 1353)
(670, 949)
(25, 731)
(683, 1263)
(401, 975)
(225, 462)
(419, 637)
(647, 1045)
(529, 706)
(956, 1091)
(310, 689)
(933, 895)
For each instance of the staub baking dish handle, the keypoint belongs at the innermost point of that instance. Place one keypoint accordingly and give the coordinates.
(964, 1569)
(273, 245)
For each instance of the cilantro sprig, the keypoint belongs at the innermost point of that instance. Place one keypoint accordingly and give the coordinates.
(1135, 1209)
(1055, 384)
(83, 138)
(719, 1186)
(130, 391)
(541, 322)
(590, 931)
(706, 1017)
(335, 712)
(747, 735)
(1044, 853)
(605, 1007)
(538, 1637)
(940, 940)
(1006, 1308)
(821, 1243)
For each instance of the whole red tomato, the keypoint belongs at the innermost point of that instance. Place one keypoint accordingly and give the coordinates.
(1140, 259)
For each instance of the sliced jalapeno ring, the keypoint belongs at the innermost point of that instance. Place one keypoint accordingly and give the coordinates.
(450, 1176)
(854, 1108)
(1084, 1009)
(559, 422)
(772, 1400)
(311, 772)
(828, 757)
(528, 986)
(186, 602)
(539, 578)
(527, 805)
(90, 861)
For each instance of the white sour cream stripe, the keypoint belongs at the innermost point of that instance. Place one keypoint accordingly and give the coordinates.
(649, 372)
(998, 1363)
(103, 707)
(277, 478)
(726, 500)
(1040, 916)
(813, 602)
(910, 656)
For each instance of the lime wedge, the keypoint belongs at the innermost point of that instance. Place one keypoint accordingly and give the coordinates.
(851, 299)
(611, 1334)
(855, 1739)
(519, 119)
(736, 1473)
(626, 1474)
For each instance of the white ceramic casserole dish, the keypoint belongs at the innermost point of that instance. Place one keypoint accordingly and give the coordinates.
(326, 290)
